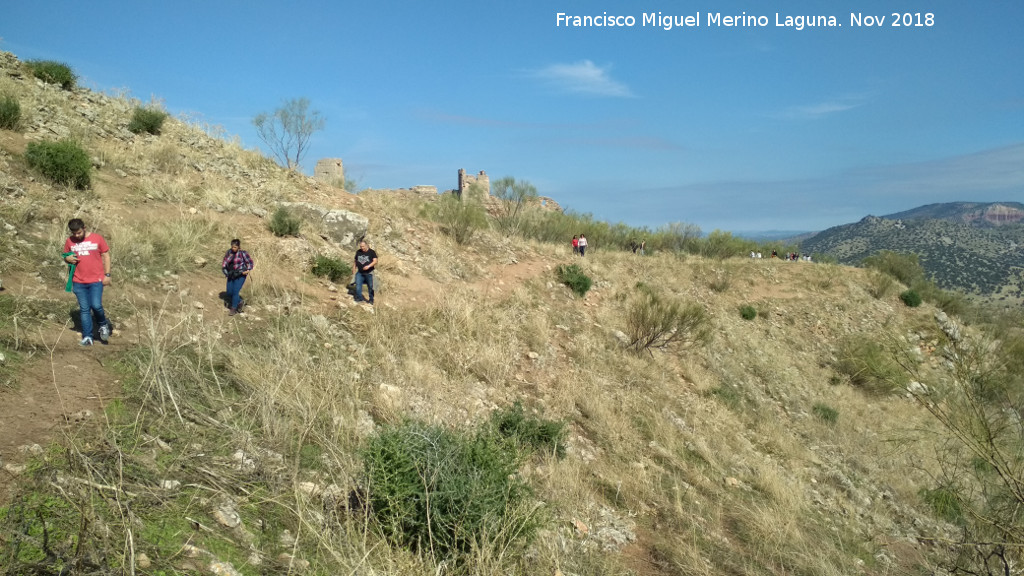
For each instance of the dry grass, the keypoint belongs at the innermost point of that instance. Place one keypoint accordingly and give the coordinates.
(709, 455)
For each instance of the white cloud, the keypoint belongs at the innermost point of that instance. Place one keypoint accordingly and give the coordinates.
(583, 77)
(822, 109)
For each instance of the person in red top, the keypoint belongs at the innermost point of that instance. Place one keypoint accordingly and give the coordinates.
(92, 272)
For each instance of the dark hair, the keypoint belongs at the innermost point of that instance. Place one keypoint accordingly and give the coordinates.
(236, 242)
(75, 224)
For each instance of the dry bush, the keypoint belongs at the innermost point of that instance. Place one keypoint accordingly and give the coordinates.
(871, 364)
(168, 159)
(880, 284)
(658, 321)
(177, 190)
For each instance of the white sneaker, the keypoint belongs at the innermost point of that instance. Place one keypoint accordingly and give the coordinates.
(105, 333)
(87, 341)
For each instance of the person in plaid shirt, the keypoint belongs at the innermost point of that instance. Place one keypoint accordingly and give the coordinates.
(236, 267)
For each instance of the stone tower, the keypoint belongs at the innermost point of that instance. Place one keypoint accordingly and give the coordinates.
(330, 171)
(481, 179)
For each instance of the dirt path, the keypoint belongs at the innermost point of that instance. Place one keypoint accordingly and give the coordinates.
(55, 393)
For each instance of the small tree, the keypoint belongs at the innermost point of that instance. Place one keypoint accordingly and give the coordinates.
(514, 196)
(981, 482)
(288, 129)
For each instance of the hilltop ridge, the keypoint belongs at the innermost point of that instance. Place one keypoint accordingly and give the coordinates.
(967, 246)
(198, 442)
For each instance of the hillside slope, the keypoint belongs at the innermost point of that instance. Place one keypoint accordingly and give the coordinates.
(954, 249)
(198, 443)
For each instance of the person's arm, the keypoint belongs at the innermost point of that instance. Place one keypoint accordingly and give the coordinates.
(249, 264)
(372, 262)
(106, 268)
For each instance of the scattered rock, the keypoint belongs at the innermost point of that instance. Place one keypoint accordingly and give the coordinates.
(142, 561)
(223, 569)
(227, 516)
(917, 388)
(15, 469)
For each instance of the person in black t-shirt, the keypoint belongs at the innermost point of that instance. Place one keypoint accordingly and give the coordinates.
(366, 259)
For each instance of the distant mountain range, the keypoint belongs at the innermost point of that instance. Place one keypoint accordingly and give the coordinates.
(974, 247)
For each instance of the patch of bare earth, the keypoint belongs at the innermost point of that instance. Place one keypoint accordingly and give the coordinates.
(57, 392)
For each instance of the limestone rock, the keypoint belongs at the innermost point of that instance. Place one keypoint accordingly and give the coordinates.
(340, 226)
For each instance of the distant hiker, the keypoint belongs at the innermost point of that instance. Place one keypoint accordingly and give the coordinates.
(775, 254)
(583, 245)
(236, 267)
(91, 257)
(643, 246)
(575, 244)
(633, 246)
(366, 259)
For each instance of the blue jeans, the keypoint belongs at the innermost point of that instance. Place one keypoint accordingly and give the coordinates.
(90, 301)
(234, 287)
(364, 278)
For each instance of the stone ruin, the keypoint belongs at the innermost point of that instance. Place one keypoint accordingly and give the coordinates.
(466, 181)
(330, 171)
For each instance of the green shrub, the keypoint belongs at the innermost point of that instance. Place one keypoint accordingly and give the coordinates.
(528, 431)
(284, 223)
(911, 298)
(574, 277)
(729, 395)
(944, 502)
(149, 120)
(825, 412)
(52, 73)
(64, 162)
(10, 112)
(904, 267)
(748, 312)
(656, 321)
(445, 492)
(460, 218)
(870, 366)
(334, 269)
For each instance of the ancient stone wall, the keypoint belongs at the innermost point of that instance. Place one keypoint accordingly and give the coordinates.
(330, 171)
(467, 180)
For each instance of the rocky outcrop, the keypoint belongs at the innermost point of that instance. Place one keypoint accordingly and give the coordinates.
(339, 226)
(996, 215)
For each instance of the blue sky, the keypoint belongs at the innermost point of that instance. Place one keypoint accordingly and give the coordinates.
(728, 127)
